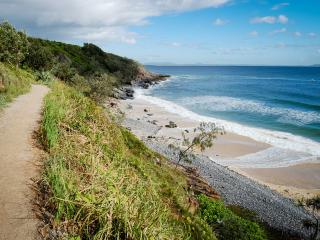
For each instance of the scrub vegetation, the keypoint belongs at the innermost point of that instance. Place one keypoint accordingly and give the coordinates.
(99, 181)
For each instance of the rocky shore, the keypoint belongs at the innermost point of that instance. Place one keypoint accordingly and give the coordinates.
(144, 79)
(275, 210)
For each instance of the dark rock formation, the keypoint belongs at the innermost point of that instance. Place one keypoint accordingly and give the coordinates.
(144, 79)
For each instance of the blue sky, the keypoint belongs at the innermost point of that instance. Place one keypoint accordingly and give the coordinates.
(260, 32)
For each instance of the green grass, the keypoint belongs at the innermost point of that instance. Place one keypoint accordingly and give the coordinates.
(226, 223)
(105, 183)
(13, 82)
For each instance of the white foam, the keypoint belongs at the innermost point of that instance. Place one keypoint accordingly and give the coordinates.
(273, 157)
(222, 103)
(274, 138)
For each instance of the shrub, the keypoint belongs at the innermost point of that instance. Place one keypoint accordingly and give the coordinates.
(64, 71)
(39, 57)
(101, 86)
(226, 224)
(44, 76)
(13, 45)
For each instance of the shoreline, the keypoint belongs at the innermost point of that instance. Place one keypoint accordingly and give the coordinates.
(239, 153)
(271, 208)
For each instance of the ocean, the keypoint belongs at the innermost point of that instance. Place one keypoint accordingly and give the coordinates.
(276, 105)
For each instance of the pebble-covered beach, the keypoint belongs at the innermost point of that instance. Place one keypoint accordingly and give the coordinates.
(271, 207)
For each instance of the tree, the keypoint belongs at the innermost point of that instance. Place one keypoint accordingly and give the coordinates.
(203, 139)
(13, 45)
(39, 57)
(314, 205)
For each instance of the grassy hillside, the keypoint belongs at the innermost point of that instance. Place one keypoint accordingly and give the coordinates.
(105, 183)
(13, 82)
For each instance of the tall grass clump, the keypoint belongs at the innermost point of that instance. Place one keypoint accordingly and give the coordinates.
(104, 182)
(13, 82)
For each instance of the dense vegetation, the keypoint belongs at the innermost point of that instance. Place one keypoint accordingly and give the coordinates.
(99, 181)
(226, 223)
(88, 68)
(86, 61)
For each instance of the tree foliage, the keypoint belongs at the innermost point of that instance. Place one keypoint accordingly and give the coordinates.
(203, 138)
(13, 44)
(39, 57)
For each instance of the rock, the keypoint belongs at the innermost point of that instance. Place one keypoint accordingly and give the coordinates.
(154, 122)
(113, 104)
(150, 114)
(171, 125)
(145, 110)
(124, 92)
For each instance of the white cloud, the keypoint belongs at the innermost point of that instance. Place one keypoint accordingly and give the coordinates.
(270, 19)
(283, 19)
(280, 5)
(106, 33)
(297, 34)
(312, 34)
(254, 33)
(95, 19)
(282, 30)
(220, 22)
(267, 19)
(176, 44)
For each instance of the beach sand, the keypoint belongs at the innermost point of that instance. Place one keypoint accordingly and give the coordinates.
(297, 181)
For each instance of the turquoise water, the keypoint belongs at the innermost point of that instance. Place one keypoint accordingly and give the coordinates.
(280, 99)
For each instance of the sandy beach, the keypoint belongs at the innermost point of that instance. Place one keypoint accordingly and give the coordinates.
(242, 154)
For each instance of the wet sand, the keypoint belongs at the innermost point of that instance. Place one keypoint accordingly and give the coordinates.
(299, 176)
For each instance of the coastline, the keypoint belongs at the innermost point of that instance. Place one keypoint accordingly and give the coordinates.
(230, 150)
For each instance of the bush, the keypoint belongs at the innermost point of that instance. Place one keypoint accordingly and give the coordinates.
(101, 86)
(225, 223)
(45, 77)
(13, 45)
(64, 71)
(39, 57)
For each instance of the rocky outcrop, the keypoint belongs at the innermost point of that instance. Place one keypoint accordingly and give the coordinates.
(124, 92)
(144, 79)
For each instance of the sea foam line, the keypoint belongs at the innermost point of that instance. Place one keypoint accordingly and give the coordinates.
(274, 138)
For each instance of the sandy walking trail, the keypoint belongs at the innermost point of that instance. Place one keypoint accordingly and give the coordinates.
(17, 165)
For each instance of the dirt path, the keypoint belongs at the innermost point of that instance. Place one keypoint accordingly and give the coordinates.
(17, 164)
